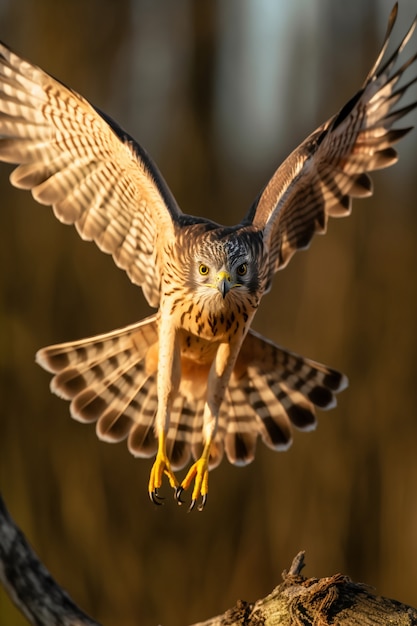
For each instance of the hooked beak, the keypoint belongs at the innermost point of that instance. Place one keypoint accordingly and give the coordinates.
(223, 282)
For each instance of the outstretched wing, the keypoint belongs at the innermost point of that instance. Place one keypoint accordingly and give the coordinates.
(320, 178)
(83, 164)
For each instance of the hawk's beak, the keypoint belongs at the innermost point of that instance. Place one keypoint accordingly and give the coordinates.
(223, 282)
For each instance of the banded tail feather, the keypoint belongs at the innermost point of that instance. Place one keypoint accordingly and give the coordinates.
(110, 379)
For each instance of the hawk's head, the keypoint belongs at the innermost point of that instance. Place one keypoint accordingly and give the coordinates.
(225, 267)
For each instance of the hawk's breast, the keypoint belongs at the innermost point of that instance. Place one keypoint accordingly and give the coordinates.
(220, 325)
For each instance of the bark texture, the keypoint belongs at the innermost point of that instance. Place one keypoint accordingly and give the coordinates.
(300, 601)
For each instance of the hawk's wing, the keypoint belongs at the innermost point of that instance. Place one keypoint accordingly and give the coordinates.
(330, 167)
(83, 164)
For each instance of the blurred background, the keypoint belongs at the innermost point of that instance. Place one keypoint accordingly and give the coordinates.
(219, 93)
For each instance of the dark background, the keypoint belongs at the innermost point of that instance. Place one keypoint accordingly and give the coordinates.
(219, 94)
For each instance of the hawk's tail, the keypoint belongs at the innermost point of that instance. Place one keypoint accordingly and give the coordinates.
(110, 379)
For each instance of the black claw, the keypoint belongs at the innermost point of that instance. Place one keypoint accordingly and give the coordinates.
(203, 502)
(155, 497)
(178, 494)
(192, 505)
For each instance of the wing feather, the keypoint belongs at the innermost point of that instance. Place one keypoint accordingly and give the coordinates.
(320, 178)
(78, 160)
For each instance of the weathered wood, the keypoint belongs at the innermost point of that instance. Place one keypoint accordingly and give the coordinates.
(297, 601)
(300, 601)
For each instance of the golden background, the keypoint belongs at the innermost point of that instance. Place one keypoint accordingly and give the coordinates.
(219, 94)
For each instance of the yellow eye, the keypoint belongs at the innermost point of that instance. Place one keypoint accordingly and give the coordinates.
(242, 269)
(203, 269)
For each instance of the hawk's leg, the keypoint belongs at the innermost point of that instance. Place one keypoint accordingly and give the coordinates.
(218, 379)
(169, 372)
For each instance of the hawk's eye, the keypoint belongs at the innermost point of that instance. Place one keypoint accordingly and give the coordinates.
(242, 269)
(203, 269)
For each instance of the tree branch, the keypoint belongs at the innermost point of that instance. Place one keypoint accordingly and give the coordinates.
(29, 584)
(297, 601)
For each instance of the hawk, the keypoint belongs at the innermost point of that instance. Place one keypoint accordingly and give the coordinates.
(193, 380)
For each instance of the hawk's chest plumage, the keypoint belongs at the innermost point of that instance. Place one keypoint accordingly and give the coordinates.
(223, 323)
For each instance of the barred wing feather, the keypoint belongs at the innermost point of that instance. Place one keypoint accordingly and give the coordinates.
(320, 178)
(83, 164)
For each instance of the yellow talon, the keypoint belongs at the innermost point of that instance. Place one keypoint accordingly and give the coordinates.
(198, 472)
(160, 467)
